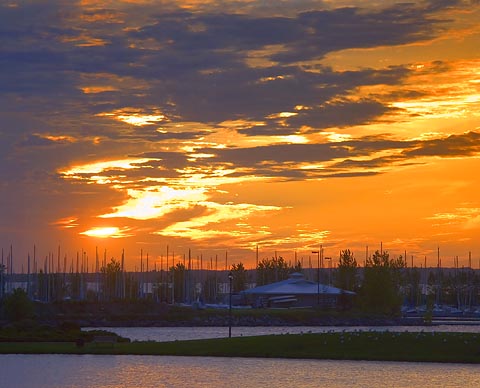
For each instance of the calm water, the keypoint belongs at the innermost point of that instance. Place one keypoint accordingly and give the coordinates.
(52, 371)
(163, 334)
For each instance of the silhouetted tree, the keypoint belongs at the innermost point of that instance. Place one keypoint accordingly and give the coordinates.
(274, 270)
(346, 276)
(380, 291)
(239, 277)
(17, 305)
(296, 268)
(111, 279)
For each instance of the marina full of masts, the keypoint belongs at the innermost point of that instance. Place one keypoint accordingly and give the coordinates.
(187, 280)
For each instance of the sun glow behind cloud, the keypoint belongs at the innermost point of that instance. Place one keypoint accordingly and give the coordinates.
(135, 117)
(191, 190)
(154, 203)
(107, 232)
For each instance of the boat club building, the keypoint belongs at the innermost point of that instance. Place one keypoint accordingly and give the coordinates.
(296, 291)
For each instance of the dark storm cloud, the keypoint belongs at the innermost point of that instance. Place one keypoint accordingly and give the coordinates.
(191, 135)
(349, 174)
(282, 160)
(207, 53)
(298, 153)
(36, 141)
(467, 144)
(221, 31)
(344, 28)
(192, 66)
(195, 42)
(41, 58)
(272, 128)
(256, 93)
(305, 36)
(367, 164)
(280, 153)
(341, 114)
(438, 5)
(371, 144)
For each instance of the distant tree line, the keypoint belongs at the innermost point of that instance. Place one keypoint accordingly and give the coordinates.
(382, 285)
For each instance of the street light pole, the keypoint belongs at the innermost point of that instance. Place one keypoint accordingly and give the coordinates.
(230, 278)
(318, 277)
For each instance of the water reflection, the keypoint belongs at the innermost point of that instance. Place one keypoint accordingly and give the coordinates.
(52, 371)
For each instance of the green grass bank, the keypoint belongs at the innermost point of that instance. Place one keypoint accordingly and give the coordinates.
(385, 346)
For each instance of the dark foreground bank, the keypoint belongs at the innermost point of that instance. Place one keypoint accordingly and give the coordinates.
(374, 346)
(147, 313)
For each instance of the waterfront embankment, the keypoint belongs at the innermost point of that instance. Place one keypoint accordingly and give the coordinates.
(150, 314)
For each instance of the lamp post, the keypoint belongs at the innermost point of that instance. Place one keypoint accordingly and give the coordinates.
(318, 277)
(230, 278)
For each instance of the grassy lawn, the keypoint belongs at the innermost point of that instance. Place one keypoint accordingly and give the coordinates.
(426, 347)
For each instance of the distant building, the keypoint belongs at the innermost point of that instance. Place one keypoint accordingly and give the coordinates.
(296, 291)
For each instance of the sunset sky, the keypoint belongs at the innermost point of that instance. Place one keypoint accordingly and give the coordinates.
(222, 125)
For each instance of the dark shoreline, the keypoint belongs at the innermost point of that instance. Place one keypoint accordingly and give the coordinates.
(153, 314)
(269, 322)
(149, 313)
(246, 321)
